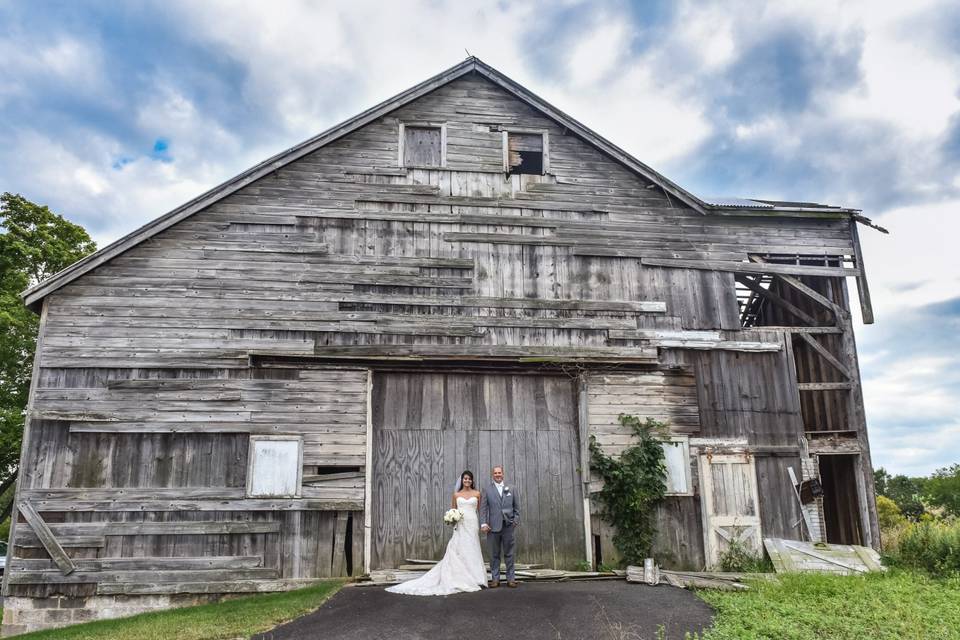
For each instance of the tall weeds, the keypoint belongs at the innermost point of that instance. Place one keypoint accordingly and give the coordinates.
(933, 546)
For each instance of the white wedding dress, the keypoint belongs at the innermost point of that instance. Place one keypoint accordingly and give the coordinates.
(461, 568)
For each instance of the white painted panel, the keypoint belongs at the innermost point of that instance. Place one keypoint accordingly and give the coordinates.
(275, 467)
(677, 460)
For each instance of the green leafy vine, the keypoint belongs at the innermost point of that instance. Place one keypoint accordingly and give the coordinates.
(633, 485)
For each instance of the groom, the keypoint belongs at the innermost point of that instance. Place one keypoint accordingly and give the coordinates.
(499, 518)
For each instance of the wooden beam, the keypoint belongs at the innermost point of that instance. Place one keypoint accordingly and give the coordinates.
(230, 586)
(863, 288)
(788, 306)
(510, 353)
(260, 504)
(829, 357)
(165, 528)
(29, 540)
(831, 330)
(368, 478)
(339, 567)
(811, 293)
(583, 433)
(825, 386)
(139, 576)
(47, 539)
(744, 267)
(145, 563)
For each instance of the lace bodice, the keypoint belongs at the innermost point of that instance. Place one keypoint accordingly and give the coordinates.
(467, 504)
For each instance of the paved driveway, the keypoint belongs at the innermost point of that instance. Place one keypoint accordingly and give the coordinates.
(596, 610)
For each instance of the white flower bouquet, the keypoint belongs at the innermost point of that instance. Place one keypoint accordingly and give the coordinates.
(452, 517)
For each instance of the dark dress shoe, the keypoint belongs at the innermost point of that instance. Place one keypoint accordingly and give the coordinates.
(512, 584)
(493, 584)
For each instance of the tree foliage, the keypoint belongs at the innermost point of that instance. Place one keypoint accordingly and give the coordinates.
(905, 491)
(942, 489)
(633, 485)
(35, 243)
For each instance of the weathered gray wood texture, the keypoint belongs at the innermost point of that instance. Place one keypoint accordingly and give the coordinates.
(327, 252)
(429, 428)
(145, 381)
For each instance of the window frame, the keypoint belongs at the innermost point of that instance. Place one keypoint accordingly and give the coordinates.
(442, 126)
(251, 459)
(543, 133)
(684, 442)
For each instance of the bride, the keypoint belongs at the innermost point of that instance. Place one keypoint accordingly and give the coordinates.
(461, 568)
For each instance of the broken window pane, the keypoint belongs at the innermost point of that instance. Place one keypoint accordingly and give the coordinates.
(421, 147)
(525, 153)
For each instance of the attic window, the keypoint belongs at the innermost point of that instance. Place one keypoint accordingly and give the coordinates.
(525, 152)
(422, 145)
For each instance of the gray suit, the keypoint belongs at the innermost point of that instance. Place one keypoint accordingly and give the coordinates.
(502, 514)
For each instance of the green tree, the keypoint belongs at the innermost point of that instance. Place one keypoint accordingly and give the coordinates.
(942, 489)
(906, 492)
(35, 243)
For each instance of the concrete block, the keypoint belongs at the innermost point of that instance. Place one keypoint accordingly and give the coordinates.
(73, 603)
(7, 630)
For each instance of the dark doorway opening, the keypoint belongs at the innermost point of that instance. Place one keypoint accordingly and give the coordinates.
(841, 502)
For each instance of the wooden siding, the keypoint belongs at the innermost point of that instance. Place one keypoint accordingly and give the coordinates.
(328, 252)
(156, 366)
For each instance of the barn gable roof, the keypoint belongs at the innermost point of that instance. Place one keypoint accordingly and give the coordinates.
(33, 296)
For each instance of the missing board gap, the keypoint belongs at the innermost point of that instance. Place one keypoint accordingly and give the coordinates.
(525, 153)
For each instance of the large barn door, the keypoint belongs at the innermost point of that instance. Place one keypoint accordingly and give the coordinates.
(731, 511)
(429, 427)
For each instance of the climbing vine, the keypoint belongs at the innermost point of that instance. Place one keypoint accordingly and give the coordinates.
(633, 485)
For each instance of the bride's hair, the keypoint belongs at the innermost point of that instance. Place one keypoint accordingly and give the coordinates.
(473, 483)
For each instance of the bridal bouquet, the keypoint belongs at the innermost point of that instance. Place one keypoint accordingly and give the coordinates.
(452, 517)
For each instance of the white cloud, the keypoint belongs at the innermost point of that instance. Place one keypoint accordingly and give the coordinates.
(73, 64)
(109, 202)
(919, 249)
(596, 55)
(914, 451)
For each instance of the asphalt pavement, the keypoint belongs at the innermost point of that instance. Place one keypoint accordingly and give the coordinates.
(602, 609)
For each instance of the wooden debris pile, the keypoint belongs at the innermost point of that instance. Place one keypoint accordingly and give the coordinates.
(525, 572)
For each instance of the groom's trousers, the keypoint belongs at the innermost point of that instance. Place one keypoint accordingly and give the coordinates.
(501, 541)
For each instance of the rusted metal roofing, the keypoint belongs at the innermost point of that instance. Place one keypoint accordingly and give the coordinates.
(727, 202)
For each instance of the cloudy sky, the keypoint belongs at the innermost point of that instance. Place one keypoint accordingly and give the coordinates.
(114, 113)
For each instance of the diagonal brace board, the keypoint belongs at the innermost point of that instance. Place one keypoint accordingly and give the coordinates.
(822, 350)
(47, 539)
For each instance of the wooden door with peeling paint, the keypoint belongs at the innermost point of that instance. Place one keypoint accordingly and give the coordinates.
(730, 504)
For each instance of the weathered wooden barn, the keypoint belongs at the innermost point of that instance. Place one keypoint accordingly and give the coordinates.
(282, 379)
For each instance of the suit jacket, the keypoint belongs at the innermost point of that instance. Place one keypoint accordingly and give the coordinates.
(497, 510)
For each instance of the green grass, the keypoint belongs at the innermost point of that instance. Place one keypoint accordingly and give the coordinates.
(895, 605)
(238, 618)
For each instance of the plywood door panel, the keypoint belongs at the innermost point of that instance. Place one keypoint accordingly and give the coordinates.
(731, 506)
(429, 427)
